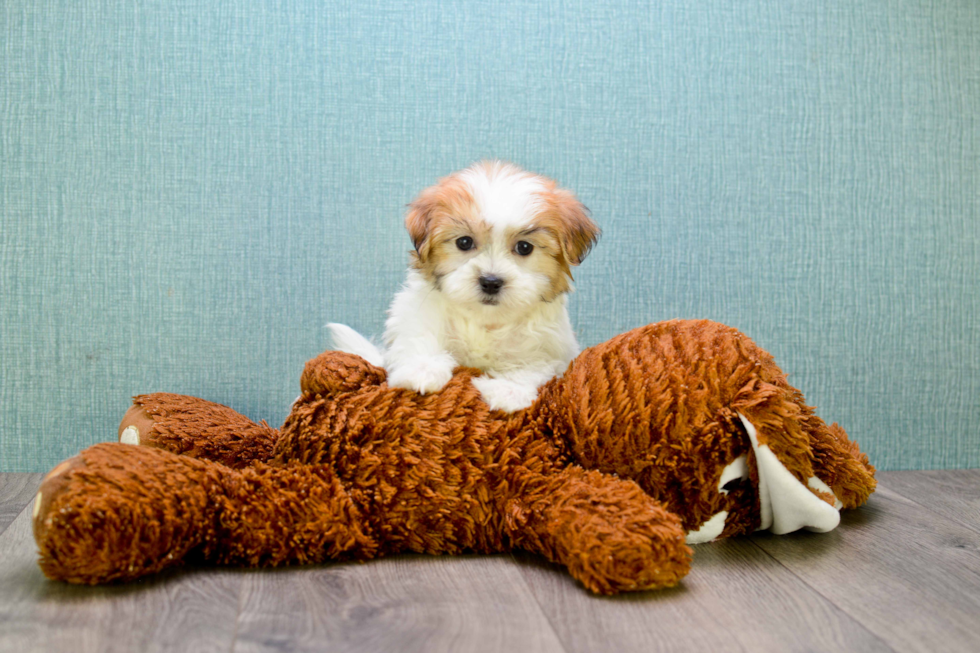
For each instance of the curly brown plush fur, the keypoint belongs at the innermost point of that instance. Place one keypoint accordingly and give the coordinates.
(603, 474)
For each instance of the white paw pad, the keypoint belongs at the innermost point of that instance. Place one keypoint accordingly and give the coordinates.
(130, 435)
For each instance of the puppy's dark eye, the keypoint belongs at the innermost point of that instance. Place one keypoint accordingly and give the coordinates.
(523, 247)
(464, 243)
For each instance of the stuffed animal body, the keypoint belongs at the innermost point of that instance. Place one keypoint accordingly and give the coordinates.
(675, 433)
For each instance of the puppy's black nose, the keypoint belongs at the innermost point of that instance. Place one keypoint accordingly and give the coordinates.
(491, 285)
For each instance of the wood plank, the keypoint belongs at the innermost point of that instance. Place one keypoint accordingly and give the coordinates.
(735, 598)
(181, 611)
(403, 603)
(954, 494)
(16, 491)
(908, 575)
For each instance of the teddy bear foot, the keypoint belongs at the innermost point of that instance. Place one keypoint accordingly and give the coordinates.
(610, 535)
(196, 428)
(117, 513)
(57, 520)
(51, 487)
(99, 516)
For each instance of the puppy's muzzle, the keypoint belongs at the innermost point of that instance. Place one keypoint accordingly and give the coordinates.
(491, 284)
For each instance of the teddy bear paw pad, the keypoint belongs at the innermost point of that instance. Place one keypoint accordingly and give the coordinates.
(136, 424)
(130, 435)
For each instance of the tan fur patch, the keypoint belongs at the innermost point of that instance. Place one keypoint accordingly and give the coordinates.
(550, 260)
(439, 211)
(573, 232)
(570, 219)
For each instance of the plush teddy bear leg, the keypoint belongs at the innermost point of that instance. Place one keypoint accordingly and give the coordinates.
(611, 535)
(196, 428)
(116, 512)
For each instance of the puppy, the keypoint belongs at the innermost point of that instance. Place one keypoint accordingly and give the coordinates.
(487, 286)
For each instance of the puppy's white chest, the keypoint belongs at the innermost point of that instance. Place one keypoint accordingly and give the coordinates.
(477, 346)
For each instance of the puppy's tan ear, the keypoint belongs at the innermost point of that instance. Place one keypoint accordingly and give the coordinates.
(418, 221)
(579, 232)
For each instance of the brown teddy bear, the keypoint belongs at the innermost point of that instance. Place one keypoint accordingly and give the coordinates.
(681, 431)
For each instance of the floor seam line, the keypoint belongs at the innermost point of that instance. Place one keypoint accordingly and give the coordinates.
(530, 591)
(29, 503)
(969, 527)
(238, 614)
(826, 598)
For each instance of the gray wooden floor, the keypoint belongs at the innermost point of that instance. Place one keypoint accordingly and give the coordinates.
(902, 574)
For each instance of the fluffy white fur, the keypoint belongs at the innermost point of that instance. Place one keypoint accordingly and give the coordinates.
(520, 348)
(520, 335)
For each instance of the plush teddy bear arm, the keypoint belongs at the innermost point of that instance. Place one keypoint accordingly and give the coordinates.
(333, 372)
(116, 512)
(196, 428)
(609, 533)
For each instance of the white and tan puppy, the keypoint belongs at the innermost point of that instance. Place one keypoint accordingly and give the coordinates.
(487, 286)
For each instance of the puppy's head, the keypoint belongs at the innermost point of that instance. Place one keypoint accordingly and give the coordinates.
(499, 237)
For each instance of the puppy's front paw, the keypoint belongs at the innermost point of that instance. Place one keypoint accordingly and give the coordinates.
(505, 394)
(422, 375)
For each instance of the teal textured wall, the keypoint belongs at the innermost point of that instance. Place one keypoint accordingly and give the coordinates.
(191, 189)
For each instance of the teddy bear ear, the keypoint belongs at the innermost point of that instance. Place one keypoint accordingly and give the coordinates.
(785, 503)
(840, 462)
